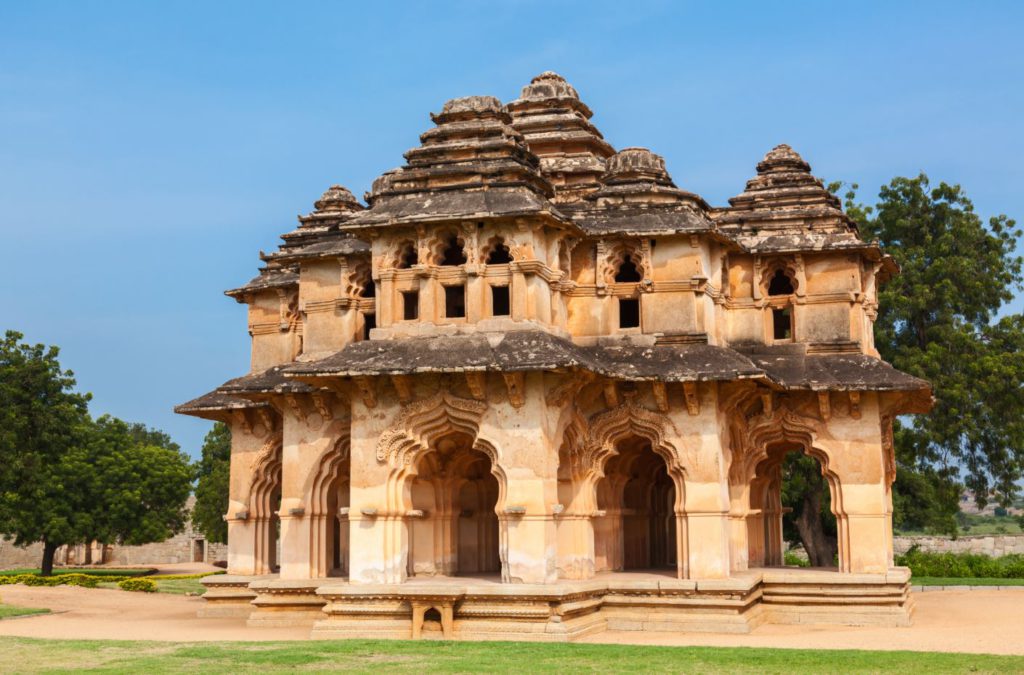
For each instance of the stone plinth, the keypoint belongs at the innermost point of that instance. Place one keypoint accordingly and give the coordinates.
(279, 603)
(228, 595)
(805, 596)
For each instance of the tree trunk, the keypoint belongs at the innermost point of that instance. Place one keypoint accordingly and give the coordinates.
(49, 549)
(821, 549)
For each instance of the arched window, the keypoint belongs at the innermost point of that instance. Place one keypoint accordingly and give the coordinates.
(407, 256)
(628, 271)
(780, 287)
(452, 252)
(499, 254)
(369, 289)
(780, 284)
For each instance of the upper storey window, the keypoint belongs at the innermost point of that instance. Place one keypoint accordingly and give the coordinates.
(499, 254)
(452, 251)
(780, 289)
(369, 289)
(407, 256)
(628, 271)
(780, 284)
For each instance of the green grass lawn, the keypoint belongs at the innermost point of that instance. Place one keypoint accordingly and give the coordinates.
(174, 586)
(180, 586)
(7, 611)
(23, 655)
(91, 571)
(965, 581)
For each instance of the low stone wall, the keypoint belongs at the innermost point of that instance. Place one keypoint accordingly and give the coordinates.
(14, 557)
(993, 545)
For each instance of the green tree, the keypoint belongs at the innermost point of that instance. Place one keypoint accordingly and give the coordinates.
(811, 520)
(141, 489)
(213, 471)
(937, 320)
(42, 421)
(65, 479)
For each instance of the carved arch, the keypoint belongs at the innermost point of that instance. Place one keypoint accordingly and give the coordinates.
(617, 254)
(787, 426)
(788, 267)
(448, 247)
(403, 255)
(415, 434)
(266, 477)
(607, 429)
(266, 483)
(497, 249)
(330, 473)
(358, 281)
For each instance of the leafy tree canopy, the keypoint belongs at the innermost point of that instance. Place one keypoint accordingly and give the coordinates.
(214, 473)
(938, 320)
(66, 479)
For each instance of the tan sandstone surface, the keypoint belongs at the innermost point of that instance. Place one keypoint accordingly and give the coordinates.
(947, 621)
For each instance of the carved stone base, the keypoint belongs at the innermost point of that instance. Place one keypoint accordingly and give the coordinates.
(825, 597)
(228, 595)
(477, 609)
(287, 602)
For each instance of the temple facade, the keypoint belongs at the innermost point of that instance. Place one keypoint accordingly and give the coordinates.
(532, 388)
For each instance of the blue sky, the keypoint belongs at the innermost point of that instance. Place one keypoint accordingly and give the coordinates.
(148, 151)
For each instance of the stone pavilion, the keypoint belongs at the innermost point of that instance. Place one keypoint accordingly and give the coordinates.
(530, 388)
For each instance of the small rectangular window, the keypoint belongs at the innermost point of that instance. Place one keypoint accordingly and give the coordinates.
(499, 301)
(782, 323)
(629, 313)
(455, 302)
(410, 305)
(369, 323)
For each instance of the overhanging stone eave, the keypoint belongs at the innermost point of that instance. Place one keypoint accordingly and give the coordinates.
(551, 217)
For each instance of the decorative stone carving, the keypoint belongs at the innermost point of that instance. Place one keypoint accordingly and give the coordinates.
(420, 421)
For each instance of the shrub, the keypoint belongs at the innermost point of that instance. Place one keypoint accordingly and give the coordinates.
(790, 558)
(962, 565)
(138, 585)
(171, 577)
(83, 580)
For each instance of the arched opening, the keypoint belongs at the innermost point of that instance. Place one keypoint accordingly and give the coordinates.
(792, 521)
(452, 252)
(453, 522)
(369, 289)
(780, 284)
(407, 256)
(780, 288)
(335, 523)
(636, 527)
(628, 271)
(499, 254)
(264, 506)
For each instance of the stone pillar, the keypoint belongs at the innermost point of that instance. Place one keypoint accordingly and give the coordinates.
(517, 429)
(378, 535)
(707, 536)
(246, 443)
(857, 460)
(576, 553)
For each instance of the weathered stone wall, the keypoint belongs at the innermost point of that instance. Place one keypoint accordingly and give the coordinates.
(994, 544)
(12, 556)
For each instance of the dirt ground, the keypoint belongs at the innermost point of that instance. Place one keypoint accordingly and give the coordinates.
(946, 621)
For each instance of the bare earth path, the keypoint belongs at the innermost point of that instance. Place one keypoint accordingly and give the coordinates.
(947, 621)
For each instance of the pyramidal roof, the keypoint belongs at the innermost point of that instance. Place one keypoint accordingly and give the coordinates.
(785, 208)
(557, 128)
(472, 164)
(785, 193)
(636, 195)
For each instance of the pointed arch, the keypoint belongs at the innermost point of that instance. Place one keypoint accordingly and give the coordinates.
(783, 427)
